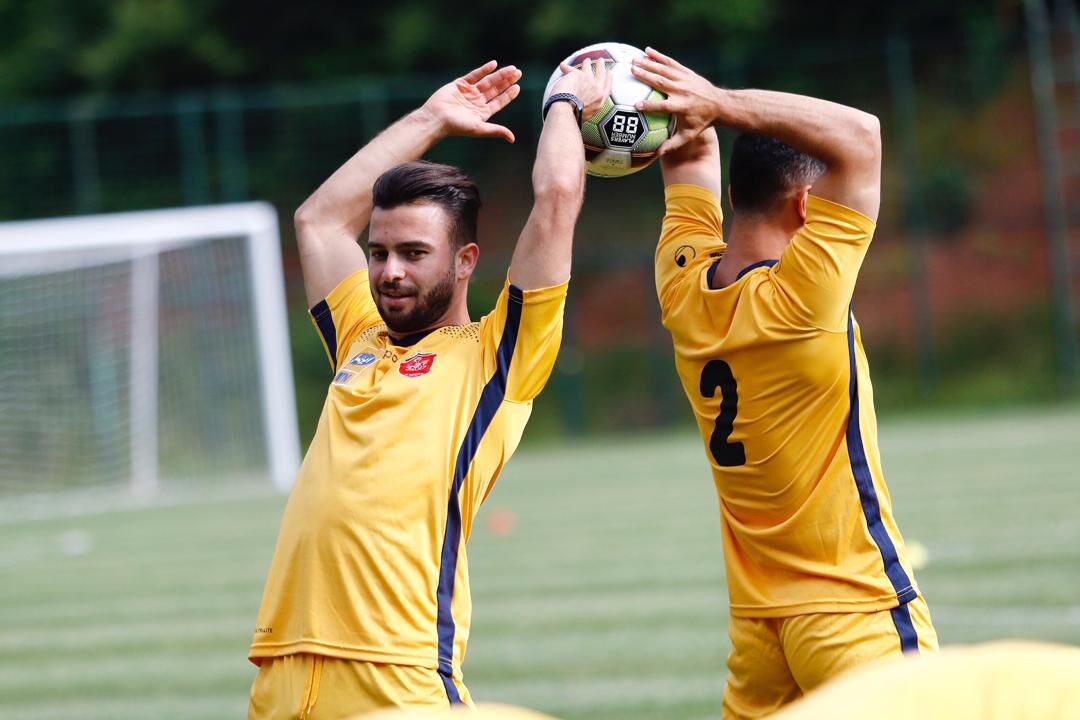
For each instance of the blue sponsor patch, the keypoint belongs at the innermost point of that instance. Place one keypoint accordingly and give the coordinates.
(363, 359)
(343, 377)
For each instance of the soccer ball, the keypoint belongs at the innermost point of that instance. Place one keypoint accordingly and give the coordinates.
(619, 140)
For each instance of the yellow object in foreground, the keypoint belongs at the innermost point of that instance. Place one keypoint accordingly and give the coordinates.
(370, 562)
(480, 712)
(1009, 680)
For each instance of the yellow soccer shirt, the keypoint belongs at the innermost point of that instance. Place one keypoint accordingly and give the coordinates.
(370, 561)
(774, 368)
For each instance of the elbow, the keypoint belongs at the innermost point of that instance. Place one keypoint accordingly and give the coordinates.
(310, 227)
(304, 216)
(856, 142)
(866, 132)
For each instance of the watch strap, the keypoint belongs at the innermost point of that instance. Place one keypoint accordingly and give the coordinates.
(571, 98)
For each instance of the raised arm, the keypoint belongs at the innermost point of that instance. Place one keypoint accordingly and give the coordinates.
(542, 255)
(697, 162)
(847, 140)
(329, 222)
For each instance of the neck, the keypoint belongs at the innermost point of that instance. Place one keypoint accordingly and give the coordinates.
(752, 240)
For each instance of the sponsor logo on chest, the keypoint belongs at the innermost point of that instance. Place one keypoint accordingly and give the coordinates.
(363, 359)
(343, 377)
(417, 365)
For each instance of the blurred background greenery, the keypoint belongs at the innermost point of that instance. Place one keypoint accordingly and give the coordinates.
(110, 105)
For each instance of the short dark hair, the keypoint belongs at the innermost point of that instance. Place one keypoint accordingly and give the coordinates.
(444, 185)
(763, 170)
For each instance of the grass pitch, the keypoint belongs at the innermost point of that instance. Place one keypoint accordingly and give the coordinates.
(597, 576)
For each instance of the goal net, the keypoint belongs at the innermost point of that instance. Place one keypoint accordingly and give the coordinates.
(143, 354)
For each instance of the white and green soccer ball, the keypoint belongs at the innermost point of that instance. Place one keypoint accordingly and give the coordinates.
(618, 139)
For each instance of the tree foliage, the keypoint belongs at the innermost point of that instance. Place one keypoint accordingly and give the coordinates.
(58, 47)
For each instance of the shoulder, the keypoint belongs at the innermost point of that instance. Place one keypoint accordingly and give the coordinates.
(820, 209)
(468, 333)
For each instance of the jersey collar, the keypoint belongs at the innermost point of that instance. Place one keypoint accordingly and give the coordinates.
(411, 339)
(748, 268)
(754, 266)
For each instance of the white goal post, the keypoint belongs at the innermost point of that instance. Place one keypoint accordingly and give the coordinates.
(146, 344)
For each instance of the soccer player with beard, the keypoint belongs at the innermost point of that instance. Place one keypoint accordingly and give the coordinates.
(367, 600)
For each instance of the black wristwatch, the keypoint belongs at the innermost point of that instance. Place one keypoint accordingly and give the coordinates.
(565, 97)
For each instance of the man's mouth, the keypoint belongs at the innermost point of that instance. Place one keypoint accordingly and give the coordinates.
(395, 300)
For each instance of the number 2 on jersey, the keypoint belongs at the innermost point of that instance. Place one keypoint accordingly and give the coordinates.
(717, 374)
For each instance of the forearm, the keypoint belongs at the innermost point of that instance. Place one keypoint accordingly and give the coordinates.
(344, 201)
(833, 133)
(695, 163)
(847, 140)
(330, 221)
(559, 171)
(543, 252)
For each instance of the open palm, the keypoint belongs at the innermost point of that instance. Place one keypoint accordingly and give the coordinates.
(465, 105)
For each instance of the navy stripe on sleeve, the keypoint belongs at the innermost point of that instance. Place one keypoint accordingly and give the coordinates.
(324, 320)
(490, 400)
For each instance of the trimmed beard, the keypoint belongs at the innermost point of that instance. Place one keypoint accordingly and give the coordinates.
(430, 305)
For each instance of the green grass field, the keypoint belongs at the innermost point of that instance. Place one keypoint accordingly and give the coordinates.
(597, 577)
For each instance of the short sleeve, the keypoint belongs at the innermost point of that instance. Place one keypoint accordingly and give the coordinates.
(521, 338)
(345, 313)
(691, 239)
(818, 269)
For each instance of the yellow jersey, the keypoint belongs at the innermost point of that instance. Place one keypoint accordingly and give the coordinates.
(370, 561)
(774, 368)
(1004, 680)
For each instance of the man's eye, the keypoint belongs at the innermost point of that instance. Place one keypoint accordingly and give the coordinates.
(414, 254)
(378, 254)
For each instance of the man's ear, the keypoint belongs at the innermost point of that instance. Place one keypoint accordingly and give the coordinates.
(803, 194)
(465, 260)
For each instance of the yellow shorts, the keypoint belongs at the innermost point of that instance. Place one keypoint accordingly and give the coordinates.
(317, 687)
(773, 661)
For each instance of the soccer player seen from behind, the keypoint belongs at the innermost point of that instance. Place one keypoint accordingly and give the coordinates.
(367, 601)
(772, 362)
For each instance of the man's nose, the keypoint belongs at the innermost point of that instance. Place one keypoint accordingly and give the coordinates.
(393, 269)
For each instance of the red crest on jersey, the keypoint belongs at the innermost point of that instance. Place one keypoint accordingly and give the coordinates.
(419, 364)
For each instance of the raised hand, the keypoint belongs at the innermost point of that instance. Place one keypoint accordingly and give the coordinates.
(689, 96)
(590, 81)
(463, 106)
